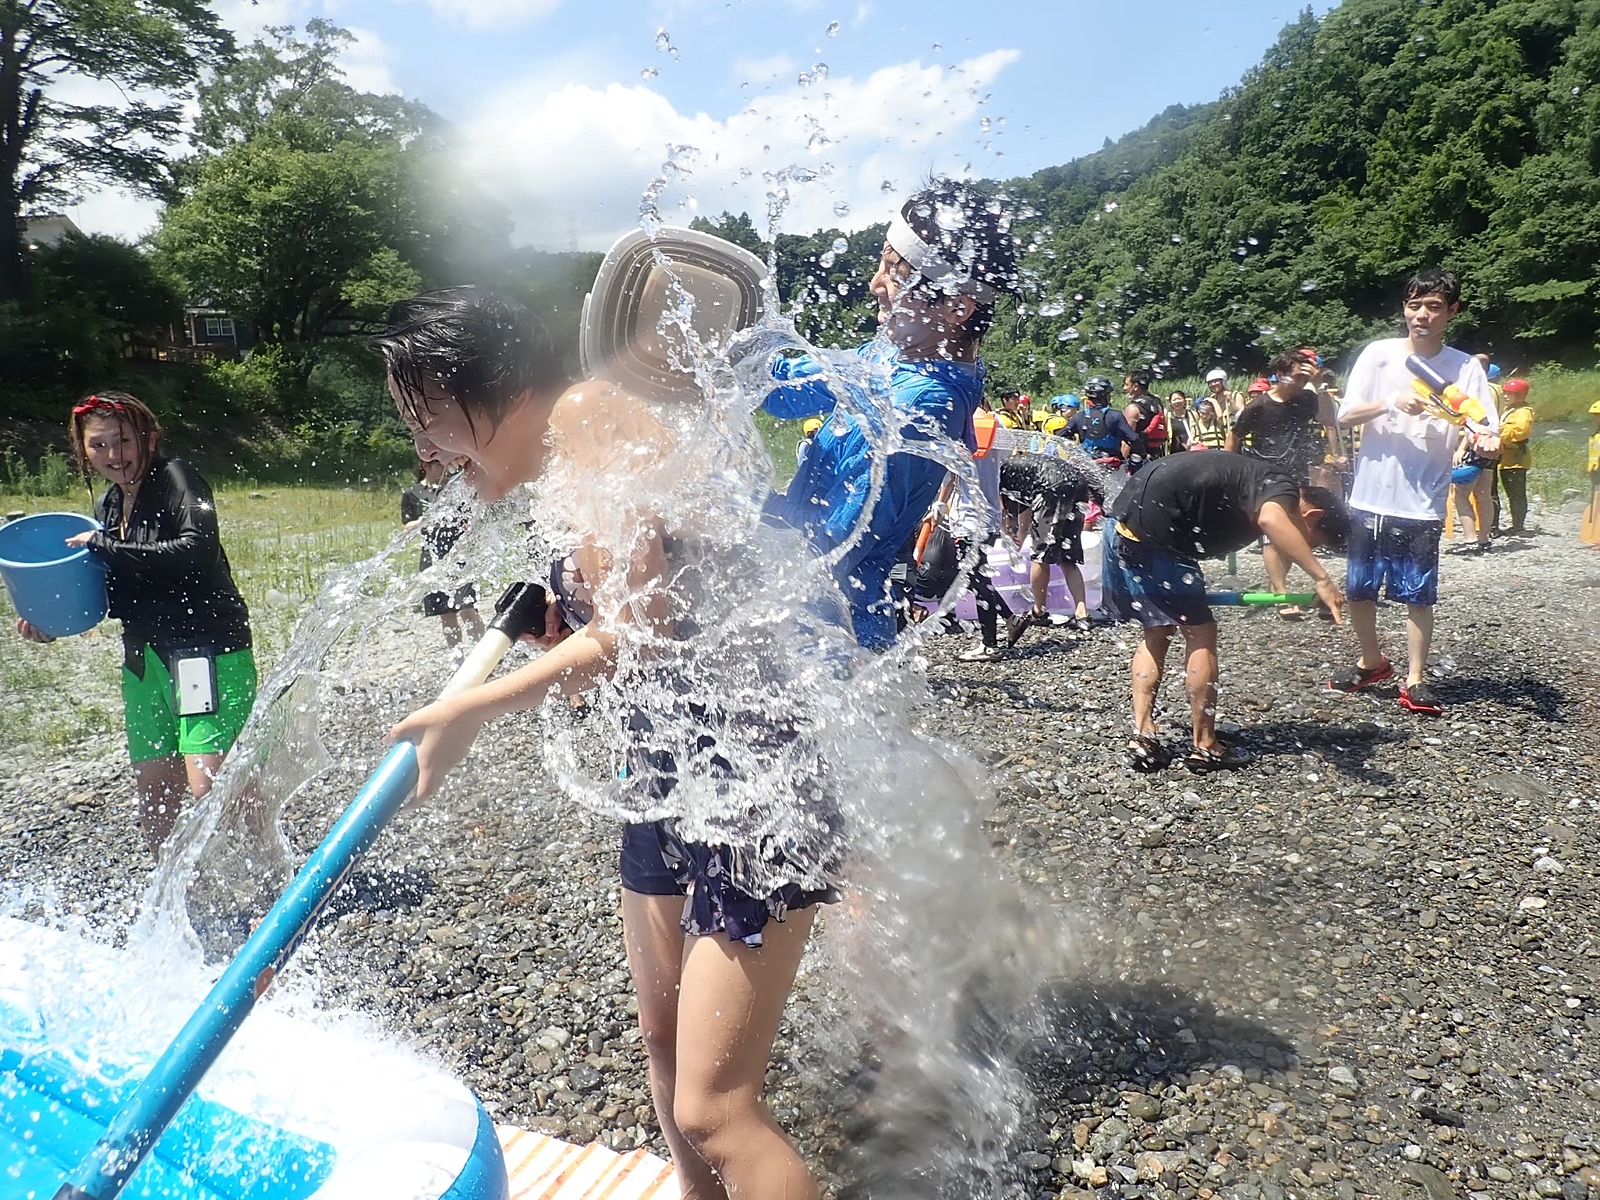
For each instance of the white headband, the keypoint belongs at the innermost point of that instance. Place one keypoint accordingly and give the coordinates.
(929, 263)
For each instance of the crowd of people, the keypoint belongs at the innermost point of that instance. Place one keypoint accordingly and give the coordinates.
(1289, 462)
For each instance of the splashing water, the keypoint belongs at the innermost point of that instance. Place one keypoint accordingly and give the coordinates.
(743, 711)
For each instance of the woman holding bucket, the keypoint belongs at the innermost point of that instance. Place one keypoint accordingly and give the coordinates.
(188, 673)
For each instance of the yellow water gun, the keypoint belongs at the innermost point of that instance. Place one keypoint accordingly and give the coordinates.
(1441, 398)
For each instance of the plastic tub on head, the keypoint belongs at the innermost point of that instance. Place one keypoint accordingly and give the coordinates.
(53, 586)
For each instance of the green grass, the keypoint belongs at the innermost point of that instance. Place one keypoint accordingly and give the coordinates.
(281, 543)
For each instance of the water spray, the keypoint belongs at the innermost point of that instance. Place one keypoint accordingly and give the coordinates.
(133, 1132)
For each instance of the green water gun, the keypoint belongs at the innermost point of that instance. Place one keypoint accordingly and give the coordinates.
(1241, 599)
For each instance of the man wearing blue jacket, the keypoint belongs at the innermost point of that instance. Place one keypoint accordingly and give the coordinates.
(946, 258)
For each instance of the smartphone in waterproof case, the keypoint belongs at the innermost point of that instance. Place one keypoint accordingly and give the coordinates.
(194, 680)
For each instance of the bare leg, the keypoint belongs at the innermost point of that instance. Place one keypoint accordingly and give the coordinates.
(159, 784)
(1039, 578)
(452, 629)
(1277, 567)
(1364, 619)
(201, 771)
(1483, 501)
(729, 1005)
(1200, 681)
(1419, 636)
(655, 945)
(1464, 513)
(1074, 578)
(1149, 658)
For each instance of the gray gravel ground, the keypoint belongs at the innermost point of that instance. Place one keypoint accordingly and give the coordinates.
(1367, 965)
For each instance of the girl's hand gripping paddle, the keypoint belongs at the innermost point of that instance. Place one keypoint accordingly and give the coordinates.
(132, 1133)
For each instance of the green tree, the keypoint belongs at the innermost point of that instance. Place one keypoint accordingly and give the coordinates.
(299, 242)
(152, 50)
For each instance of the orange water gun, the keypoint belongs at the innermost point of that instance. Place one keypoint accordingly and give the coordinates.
(1441, 398)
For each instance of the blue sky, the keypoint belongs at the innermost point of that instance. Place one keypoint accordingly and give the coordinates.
(565, 108)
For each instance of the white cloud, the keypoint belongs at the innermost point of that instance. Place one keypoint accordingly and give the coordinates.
(115, 211)
(366, 64)
(480, 14)
(765, 70)
(572, 160)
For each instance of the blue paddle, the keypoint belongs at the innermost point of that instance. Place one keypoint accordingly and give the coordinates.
(131, 1134)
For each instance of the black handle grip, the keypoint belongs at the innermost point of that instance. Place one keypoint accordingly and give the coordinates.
(520, 610)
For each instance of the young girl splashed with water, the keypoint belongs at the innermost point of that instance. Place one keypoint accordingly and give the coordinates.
(755, 752)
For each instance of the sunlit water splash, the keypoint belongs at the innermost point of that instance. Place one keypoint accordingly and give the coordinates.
(777, 734)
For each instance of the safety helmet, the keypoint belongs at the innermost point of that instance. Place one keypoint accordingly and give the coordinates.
(1515, 387)
(1055, 425)
(1494, 372)
(1069, 401)
(1594, 409)
(812, 426)
(1466, 474)
(1097, 387)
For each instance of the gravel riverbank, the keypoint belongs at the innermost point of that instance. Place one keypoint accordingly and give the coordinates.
(1367, 965)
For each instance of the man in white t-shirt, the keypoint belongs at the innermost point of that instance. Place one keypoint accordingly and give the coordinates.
(1402, 479)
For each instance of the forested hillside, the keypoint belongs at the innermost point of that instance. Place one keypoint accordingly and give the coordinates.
(1388, 135)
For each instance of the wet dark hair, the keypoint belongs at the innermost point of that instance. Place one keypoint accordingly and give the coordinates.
(1142, 376)
(482, 350)
(1432, 281)
(972, 231)
(1287, 361)
(1335, 520)
(130, 410)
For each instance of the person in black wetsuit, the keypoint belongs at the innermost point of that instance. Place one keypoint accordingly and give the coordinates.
(461, 605)
(1047, 498)
(1164, 521)
(476, 376)
(169, 583)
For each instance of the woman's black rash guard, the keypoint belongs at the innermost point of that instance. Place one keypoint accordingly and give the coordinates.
(169, 581)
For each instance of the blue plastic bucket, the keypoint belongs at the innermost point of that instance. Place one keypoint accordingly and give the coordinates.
(54, 587)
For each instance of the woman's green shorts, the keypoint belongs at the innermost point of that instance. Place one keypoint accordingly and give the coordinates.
(154, 728)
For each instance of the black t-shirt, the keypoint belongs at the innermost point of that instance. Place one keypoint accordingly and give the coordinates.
(1026, 476)
(1285, 433)
(1201, 505)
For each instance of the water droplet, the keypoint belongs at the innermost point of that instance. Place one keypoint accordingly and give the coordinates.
(826, 259)
(833, 29)
(1112, 206)
(1308, 285)
(819, 72)
(937, 47)
(1069, 334)
(1177, 239)
(984, 123)
(1576, 90)
(841, 208)
(649, 73)
(1252, 240)
(844, 289)
(839, 244)
(664, 43)
(886, 186)
(1052, 308)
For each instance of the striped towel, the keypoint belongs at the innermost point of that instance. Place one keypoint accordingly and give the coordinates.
(544, 1168)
